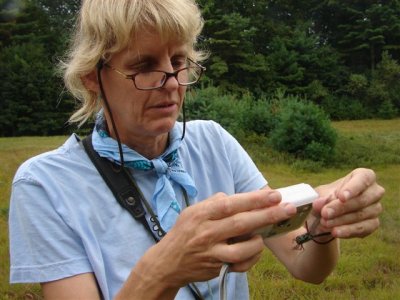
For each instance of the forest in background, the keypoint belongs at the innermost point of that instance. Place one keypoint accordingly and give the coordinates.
(341, 55)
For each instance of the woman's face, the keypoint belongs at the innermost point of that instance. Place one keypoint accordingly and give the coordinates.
(140, 115)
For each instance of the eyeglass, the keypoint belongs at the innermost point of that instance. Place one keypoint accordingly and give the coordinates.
(156, 79)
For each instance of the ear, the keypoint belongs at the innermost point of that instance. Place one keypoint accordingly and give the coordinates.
(91, 82)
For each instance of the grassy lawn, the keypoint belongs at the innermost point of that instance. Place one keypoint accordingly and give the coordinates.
(13, 151)
(368, 269)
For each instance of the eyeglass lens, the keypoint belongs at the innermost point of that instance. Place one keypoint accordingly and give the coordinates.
(157, 79)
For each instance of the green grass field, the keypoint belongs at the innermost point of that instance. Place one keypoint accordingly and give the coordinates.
(368, 269)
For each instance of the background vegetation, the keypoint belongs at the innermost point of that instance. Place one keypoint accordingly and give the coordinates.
(368, 269)
(340, 55)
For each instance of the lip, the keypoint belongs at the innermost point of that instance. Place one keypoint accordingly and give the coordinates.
(166, 107)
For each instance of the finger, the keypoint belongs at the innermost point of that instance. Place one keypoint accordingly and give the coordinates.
(238, 252)
(249, 221)
(360, 229)
(369, 212)
(245, 265)
(355, 184)
(224, 206)
(337, 208)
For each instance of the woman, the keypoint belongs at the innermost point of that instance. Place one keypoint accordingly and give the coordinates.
(132, 60)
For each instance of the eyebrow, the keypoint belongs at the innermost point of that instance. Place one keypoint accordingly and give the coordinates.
(139, 59)
(136, 60)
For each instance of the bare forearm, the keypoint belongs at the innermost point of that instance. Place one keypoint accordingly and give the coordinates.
(313, 263)
(149, 279)
(136, 287)
(316, 261)
(318, 256)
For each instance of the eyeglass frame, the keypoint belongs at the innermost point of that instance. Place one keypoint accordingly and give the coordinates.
(167, 75)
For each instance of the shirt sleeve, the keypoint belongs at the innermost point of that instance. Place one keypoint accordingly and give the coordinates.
(43, 247)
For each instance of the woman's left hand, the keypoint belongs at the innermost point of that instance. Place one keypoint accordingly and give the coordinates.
(350, 206)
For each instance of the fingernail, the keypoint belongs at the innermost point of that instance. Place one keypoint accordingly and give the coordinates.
(274, 197)
(330, 212)
(289, 209)
(346, 195)
(328, 223)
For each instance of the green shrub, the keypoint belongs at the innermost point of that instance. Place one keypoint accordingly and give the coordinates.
(387, 110)
(377, 93)
(304, 130)
(316, 91)
(387, 73)
(345, 108)
(211, 104)
(357, 85)
(198, 103)
(261, 117)
(293, 126)
(239, 116)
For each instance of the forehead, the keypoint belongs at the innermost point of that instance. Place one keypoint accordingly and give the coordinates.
(151, 44)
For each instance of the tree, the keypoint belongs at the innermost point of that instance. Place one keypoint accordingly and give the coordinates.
(30, 95)
(360, 29)
(234, 64)
(384, 88)
(299, 61)
(30, 91)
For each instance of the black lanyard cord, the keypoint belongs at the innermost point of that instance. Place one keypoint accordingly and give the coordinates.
(153, 217)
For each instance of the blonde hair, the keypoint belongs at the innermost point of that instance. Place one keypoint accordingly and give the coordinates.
(105, 27)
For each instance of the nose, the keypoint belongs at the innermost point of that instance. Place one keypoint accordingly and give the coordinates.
(171, 81)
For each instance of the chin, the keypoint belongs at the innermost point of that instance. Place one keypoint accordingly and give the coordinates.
(164, 127)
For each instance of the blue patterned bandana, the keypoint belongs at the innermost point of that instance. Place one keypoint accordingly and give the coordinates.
(168, 167)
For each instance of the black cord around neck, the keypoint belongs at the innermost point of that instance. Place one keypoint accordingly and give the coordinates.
(103, 94)
(184, 120)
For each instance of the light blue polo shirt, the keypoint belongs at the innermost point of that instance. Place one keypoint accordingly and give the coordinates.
(65, 221)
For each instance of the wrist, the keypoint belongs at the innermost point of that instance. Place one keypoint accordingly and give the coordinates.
(147, 280)
(323, 238)
(319, 233)
(314, 232)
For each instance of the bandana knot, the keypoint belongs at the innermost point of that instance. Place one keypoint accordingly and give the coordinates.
(168, 168)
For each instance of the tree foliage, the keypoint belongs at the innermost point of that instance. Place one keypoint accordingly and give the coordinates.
(341, 55)
(360, 29)
(32, 102)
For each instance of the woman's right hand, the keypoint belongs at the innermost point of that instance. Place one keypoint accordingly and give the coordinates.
(201, 240)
